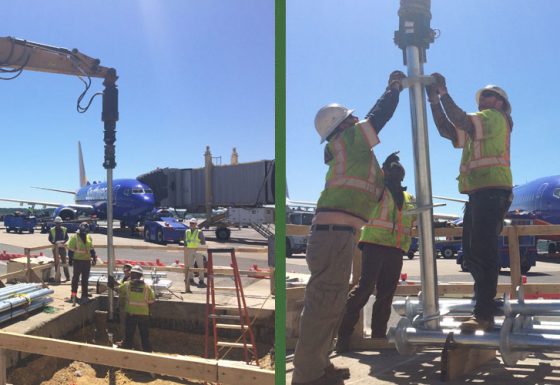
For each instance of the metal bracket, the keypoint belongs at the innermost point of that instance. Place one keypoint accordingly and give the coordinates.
(419, 209)
(412, 80)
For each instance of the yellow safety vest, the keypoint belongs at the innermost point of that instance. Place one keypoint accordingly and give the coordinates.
(485, 162)
(81, 250)
(354, 182)
(191, 239)
(53, 232)
(137, 297)
(388, 225)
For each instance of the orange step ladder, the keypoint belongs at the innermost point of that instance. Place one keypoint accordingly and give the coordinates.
(242, 322)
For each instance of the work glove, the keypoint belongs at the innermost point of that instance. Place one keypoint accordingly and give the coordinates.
(111, 282)
(395, 80)
(432, 93)
(93, 258)
(70, 257)
(439, 84)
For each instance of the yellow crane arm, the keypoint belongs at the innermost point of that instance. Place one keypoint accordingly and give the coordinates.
(21, 54)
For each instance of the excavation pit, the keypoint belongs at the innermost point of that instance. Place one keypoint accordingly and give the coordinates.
(177, 329)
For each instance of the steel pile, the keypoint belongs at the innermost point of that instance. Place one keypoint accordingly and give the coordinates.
(22, 298)
(519, 333)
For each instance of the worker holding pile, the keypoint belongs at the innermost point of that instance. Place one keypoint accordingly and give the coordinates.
(81, 256)
(194, 238)
(485, 175)
(383, 241)
(58, 236)
(353, 186)
(137, 296)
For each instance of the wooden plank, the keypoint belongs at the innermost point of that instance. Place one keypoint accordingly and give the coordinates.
(260, 249)
(186, 367)
(3, 377)
(193, 368)
(231, 372)
(514, 259)
(457, 361)
(18, 273)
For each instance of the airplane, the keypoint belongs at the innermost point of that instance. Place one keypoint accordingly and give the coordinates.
(538, 200)
(132, 200)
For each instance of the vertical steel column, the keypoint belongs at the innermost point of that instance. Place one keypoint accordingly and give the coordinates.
(110, 116)
(414, 37)
(423, 183)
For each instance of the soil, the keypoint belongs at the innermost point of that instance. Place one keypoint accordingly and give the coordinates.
(55, 371)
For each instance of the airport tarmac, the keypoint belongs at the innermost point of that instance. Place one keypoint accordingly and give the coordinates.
(257, 290)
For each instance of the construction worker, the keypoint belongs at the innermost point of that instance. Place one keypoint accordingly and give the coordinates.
(81, 256)
(383, 241)
(485, 175)
(127, 267)
(137, 297)
(352, 187)
(194, 238)
(58, 236)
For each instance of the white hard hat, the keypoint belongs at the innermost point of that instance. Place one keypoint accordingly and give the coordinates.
(329, 117)
(193, 220)
(58, 220)
(499, 91)
(137, 269)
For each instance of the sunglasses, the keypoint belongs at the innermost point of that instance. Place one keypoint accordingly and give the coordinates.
(489, 94)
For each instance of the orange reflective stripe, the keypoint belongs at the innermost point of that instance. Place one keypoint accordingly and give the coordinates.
(352, 182)
(461, 138)
(386, 225)
(400, 229)
(384, 215)
(369, 133)
(340, 156)
(485, 162)
(478, 136)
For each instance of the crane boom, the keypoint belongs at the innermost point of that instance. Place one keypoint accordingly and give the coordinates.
(22, 54)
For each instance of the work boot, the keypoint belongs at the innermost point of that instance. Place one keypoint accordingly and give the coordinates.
(84, 299)
(192, 282)
(342, 344)
(325, 379)
(201, 285)
(337, 371)
(475, 323)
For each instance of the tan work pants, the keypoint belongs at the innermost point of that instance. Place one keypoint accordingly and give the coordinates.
(329, 258)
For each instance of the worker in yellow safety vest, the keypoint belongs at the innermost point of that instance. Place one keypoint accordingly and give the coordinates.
(58, 236)
(81, 255)
(485, 175)
(352, 187)
(137, 297)
(194, 238)
(383, 241)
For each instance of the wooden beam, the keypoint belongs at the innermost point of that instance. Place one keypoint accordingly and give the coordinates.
(514, 258)
(260, 249)
(18, 273)
(193, 368)
(457, 361)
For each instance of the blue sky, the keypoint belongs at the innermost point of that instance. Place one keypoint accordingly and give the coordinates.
(343, 51)
(191, 74)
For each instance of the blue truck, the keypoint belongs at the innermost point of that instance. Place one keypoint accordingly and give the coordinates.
(163, 226)
(20, 222)
(527, 249)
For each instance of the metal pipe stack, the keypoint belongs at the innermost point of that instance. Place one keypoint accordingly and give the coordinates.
(22, 298)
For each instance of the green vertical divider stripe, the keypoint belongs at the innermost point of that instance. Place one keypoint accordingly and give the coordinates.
(280, 193)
